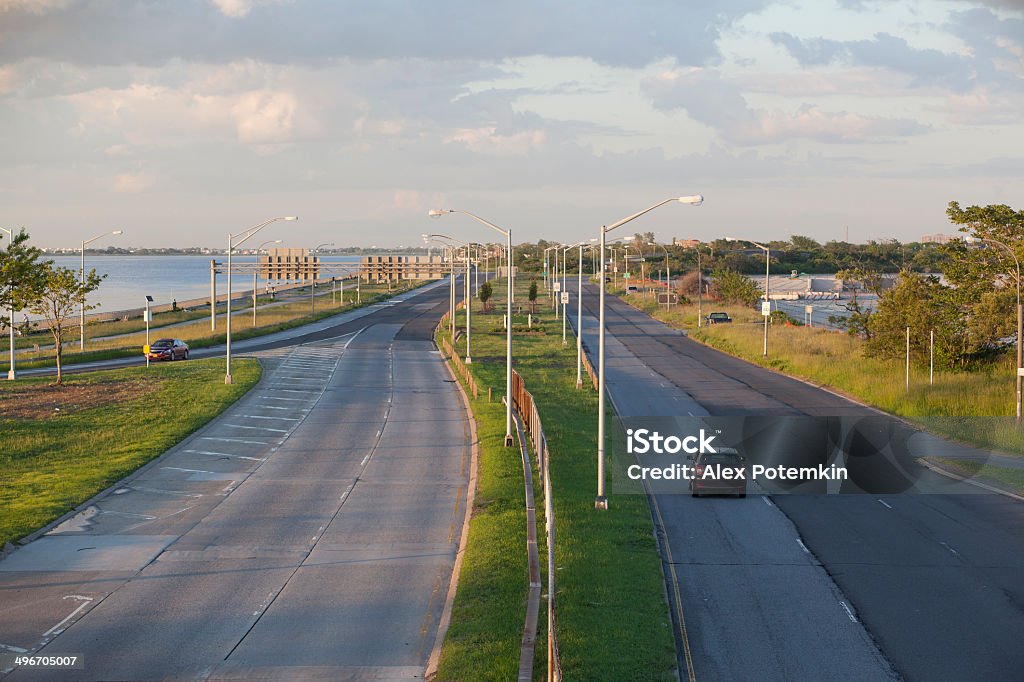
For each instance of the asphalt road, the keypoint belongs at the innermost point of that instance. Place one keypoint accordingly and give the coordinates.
(924, 586)
(307, 533)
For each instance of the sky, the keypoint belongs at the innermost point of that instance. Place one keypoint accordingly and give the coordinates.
(183, 121)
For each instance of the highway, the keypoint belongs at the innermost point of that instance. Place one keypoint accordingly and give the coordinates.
(921, 587)
(309, 532)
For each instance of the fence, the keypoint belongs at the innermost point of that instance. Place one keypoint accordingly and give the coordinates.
(523, 403)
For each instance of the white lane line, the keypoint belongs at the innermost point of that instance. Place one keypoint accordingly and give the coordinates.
(274, 407)
(15, 649)
(286, 390)
(767, 501)
(848, 611)
(258, 416)
(130, 515)
(232, 440)
(955, 553)
(365, 460)
(885, 504)
(256, 428)
(194, 471)
(803, 546)
(85, 602)
(225, 454)
(159, 491)
(294, 400)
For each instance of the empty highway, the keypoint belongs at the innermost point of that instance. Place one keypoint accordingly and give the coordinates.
(309, 532)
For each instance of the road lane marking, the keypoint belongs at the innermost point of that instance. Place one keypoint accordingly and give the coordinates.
(232, 440)
(848, 611)
(195, 471)
(885, 504)
(15, 649)
(274, 407)
(955, 553)
(85, 602)
(294, 400)
(208, 453)
(257, 416)
(257, 428)
(767, 501)
(803, 546)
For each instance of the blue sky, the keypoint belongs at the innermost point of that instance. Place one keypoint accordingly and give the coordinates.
(182, 121)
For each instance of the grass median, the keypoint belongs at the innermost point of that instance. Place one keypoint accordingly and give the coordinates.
(62, 445)
(612, 617)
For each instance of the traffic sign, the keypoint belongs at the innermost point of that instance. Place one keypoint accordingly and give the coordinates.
(558, 287)
(145, 349)
(766, 308)
(565, 298)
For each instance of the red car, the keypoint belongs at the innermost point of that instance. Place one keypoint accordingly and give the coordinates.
(722, 472)
(168, 349)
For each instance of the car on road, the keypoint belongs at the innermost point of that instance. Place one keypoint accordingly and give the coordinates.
(722, 471)
(632, 289)
(168, 349)
(718, 318)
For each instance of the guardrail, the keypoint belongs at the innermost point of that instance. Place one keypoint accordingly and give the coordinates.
(524, 404)
(528, 416)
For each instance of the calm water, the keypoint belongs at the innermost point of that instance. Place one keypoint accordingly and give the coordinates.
(165, 278)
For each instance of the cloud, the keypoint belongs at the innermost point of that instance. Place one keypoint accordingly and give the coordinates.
(8, 80)
(32, 6)
(488, 140)
(143, 32)
(709, 99)
(132, 183)
(264, 117)
(239, 9)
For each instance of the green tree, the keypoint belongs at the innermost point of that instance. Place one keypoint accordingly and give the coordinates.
(57, 293)
(924, 304)
(532, 296)
(485, 293)
(733, 287)
(20, 271)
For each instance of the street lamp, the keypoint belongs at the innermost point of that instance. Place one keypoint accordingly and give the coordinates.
(601, 501)
(81, 318)
(449, 256)
(468, 295)
(255, 273)
(312, 278)
(579, 316)
(242, 237)
(437, 213)
(700, 286)
(767, 265)
(1020, 323)
(668, 275)
(10, 323)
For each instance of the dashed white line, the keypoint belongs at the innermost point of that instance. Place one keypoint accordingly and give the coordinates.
(767, 501)
(955, 553)
(232, 440)
(803, 546)
(85, 602)
(272, 397)
(258, 416)
(885, 504)
(848, 611)
(256, 428)
(208, 453)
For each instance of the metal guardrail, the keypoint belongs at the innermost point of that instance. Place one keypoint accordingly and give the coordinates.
(529, 416)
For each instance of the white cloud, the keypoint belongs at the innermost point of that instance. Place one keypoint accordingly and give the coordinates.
(32, 6)
(488, 140)
(132, 183)
(8, 80)
(239, 9)
(264, 117)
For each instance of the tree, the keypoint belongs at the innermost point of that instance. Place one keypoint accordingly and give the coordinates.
(532, 296)
(924, 304)
(732, 287)
(485, 294)
(858, 322)
(58, 293)
(19, 273)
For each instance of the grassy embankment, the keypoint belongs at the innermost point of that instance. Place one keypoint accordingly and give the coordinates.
(62, 445)
(198, 334)
(971, 407)
(612, 617)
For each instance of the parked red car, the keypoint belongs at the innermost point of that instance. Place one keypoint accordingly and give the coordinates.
(168, 349)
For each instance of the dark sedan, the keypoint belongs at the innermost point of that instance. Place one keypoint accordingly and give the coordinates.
(168, 349)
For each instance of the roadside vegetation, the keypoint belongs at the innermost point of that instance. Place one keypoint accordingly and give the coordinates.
(63, 444)
(612, 617)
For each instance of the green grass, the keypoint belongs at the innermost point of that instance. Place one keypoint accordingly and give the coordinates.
(199, 335)
(1011, 478)
(837, 360)
(51, 464)
(613, 621)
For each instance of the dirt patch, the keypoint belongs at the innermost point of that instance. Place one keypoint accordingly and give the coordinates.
(45, 401)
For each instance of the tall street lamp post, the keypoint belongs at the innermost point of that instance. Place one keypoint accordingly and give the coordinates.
(700, 286)
(1020, 324)
(767, 300)
(235, 240)
(579, 318)
(601, 501)
(10, 322)
(437, 213)
(81, 317)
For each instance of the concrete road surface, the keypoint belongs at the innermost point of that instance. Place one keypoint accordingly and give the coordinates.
(864, 587)
(307, 533)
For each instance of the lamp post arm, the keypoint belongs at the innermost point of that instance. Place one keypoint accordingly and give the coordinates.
(637, 215)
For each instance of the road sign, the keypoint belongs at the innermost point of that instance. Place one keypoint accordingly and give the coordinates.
(145, 349)
(558, 287)
(766, 308)
(565, 298)
(808, 309)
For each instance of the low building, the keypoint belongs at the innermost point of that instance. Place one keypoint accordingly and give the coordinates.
(395, 268)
